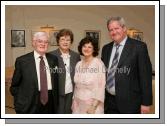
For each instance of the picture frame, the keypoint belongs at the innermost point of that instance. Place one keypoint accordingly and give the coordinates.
(53, 40)
(95, 34)
(18, 38)
(138, 36)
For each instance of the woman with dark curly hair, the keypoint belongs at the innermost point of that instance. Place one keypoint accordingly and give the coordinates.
(89, 80)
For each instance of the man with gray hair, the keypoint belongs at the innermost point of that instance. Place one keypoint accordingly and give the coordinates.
(129, 72)
(34, 86)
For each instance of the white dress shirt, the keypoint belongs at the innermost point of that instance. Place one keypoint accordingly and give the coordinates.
(68, 82)
(37, 63)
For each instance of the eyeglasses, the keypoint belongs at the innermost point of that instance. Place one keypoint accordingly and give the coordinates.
(63, 39)
(41, 41)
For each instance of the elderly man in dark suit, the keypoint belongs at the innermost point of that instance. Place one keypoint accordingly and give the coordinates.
(67, 61)
(34, 85)
(129, 76)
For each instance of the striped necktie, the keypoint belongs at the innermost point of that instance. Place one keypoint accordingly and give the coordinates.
(112, 70)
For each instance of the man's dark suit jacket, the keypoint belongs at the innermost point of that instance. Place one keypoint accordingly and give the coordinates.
(133, 89)
(24, 85)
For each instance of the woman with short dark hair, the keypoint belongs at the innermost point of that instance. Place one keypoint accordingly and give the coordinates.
(67, 60)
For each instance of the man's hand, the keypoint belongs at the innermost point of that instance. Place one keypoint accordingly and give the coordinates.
(145, 109)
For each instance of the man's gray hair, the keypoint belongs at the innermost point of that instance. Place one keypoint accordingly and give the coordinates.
(37, 35)
(119, 19)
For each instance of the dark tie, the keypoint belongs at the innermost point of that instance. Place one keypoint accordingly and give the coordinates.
(112, 70)
(43, 82)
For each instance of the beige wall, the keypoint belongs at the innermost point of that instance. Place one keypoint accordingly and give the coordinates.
(78, 19)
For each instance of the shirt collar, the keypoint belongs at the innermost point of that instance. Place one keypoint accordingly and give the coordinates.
(122, 43)
(65, 55)
(37, 55)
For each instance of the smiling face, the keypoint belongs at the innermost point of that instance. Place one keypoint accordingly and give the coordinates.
(40, 42)
(65, 43)
(116, 31)
(87, 50)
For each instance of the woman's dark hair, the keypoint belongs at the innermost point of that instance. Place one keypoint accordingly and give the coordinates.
(64, 32)
(87, 40)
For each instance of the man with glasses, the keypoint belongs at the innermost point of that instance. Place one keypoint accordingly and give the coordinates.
(34, 85)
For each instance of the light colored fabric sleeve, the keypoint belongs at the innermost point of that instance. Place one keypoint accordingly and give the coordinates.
(100, 82)
(76, 76)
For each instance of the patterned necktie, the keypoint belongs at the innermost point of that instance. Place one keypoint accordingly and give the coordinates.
(111, 73)
(43, 82)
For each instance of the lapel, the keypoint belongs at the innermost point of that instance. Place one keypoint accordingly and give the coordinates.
(71, 58)
(61, 62)
(125, 52)
(51, 66)
(72, 65)
(109, 50)
(50, 62)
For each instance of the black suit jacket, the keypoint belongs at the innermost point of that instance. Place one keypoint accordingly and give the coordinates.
(24, 85)
(134, 88)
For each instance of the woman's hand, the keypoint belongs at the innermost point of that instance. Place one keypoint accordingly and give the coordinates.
(91, 110)
(93, 107)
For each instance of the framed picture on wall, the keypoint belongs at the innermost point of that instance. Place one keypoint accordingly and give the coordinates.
(138, 36)
(17, 38)
(95, 34)
(53, 34)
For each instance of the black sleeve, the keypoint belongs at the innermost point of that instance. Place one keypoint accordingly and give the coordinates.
(145, 74)
(16, 80)
(102, 54)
